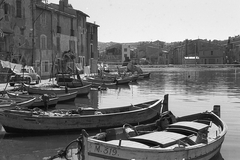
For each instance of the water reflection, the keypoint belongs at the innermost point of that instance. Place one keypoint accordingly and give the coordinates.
(190, 90)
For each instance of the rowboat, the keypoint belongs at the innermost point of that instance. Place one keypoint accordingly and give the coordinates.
(122, 78)
(55, 89)
(72, 83)
(39, 100)
(144, 75)
(197, 136)
(99, 79)
(74, 120)
(126, 79)
(7, 104)
(66, 97)
(100, 85)
(20, 102)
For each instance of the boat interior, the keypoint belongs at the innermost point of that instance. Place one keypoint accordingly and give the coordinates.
(173, 134)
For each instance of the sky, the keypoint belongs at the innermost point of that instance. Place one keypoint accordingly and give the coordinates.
(126, 21)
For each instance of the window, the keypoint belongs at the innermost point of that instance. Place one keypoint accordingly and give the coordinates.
(92, 56)
(46, 66)
(43, 42)
(58, 29)
(71, 23)
(91, 37)
(211, 52)
(72, 45)
(2, 46)
(58, 44)
(82, 49)
(43, 19)
(58, 24)
(19, 8)
(125, 49)
(5, 8)
(37, 66)
(71, 32)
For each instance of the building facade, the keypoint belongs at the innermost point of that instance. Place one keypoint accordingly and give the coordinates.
(232, 49)
(15, 40)
(37, 33)
(116, 53)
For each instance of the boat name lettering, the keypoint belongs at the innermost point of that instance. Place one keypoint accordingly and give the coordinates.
(106, 150)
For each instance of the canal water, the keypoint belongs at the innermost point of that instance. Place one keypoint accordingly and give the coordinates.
(190, 90)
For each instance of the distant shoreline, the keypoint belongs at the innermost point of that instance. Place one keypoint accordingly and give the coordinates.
(148, 68)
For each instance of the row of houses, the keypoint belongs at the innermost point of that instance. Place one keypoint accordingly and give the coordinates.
(198, 51)
(36, 33)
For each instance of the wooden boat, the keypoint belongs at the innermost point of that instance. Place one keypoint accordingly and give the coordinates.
(126, 79)
(144, 75)
(7, 104)
(122, 78)
(72, 120)
(67, 97)
(39, 100)
(20, 102)
(72, 83)
(99, 79)
(55, 89)
(198, 136)
(98, 84)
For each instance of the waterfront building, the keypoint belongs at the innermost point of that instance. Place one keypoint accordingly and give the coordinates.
(116, 53)
(233, 50)
(210, 53)
(153, 52)
(37, 33)
(15, 31)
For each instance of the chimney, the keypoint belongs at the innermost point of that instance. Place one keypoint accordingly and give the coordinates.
(65, 3)
(61, 5)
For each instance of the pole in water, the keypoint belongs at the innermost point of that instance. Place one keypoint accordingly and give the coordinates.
(165, 103)
(216, 110)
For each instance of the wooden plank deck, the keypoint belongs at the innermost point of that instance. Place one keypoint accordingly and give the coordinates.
(194, 126)
(162, 139)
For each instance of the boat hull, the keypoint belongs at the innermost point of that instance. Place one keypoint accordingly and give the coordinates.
(67, 97)
(105, 151)
(144, 75)
(81, 91)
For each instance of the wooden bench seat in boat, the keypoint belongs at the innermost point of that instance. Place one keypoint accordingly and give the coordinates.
(162, 139)
(187, 127)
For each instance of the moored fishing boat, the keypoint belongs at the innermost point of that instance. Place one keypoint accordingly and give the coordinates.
(197, 136)
(7, 104)
(55, 89)
(39, 102)
(20, 101)
(144, 75)
(72, 120)
(67, 97)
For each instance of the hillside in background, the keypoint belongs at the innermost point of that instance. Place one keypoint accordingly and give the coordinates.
(103, 45)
